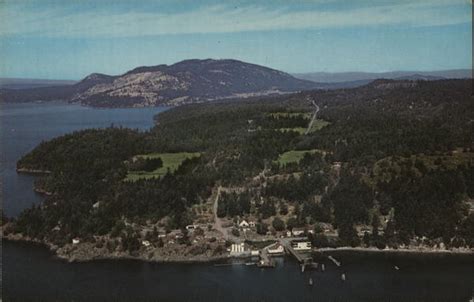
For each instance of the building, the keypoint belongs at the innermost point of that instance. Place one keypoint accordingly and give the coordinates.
(298, 232)
(75, 241)
(244, 224)
(276, 249)
(237, 249)
(301, 245)
(146, 243)
(252, 224)
(191, 227)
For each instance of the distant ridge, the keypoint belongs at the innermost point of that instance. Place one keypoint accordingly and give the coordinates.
(19, 83)
(365, 77)
(188, 81)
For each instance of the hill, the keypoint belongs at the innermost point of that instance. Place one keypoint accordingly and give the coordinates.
(347, 79)
(189, 81)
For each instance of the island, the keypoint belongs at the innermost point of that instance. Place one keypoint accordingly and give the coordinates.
(385, 166)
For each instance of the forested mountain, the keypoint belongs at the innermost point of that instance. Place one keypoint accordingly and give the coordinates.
(393, 158)
(188, 81)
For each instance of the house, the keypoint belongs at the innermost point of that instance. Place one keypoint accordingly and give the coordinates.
(244, 224)
(146, 243)
(276, 249)
(254, 253)
(298, 231)
(252, 224)
(75, 241)
(191, 227)
(301, 245)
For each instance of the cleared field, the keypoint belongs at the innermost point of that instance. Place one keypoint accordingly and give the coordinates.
(318, 125)
(171, 162)
(294, 156)
(305, 115)
(300, 130)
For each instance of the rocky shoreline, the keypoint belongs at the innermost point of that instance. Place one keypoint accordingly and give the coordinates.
(32, 171)
(87, 252)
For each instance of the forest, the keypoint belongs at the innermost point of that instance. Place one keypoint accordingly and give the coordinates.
(395, 156)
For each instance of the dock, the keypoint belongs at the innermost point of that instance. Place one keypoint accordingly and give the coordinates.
(337, 263)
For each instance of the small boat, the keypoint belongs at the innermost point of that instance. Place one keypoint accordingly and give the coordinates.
(396, 267)
(323, 268)
(310, 281)
(250, 263)
(343, 277)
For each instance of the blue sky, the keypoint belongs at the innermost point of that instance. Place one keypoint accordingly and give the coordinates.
(70, 39)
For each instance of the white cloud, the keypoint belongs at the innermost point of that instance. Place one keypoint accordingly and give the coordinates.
(225, 19)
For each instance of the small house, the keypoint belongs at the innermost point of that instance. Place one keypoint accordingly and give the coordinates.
(146, 243)
(244, 224)
(298, 232)
(276, 249)
(76, 241)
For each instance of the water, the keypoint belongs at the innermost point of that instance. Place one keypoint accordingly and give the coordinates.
(32, 273)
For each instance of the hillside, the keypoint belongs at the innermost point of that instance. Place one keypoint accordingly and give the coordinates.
(188, 81)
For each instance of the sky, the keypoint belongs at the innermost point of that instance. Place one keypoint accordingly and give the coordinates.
(57, 39)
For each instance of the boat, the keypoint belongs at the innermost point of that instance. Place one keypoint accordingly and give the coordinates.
(323, 268)
(310, 281)
(343, 277)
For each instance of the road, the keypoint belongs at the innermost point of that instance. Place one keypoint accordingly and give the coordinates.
(313, 118)
(217, 220)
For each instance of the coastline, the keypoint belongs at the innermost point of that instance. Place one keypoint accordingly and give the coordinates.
(85, 252)
(32, 171)
(411, 250)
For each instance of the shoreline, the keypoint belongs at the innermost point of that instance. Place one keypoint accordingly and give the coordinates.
(32, 171)
(412, 250)
(67, 254)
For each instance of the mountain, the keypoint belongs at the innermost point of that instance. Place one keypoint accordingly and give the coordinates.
(188, 81)
(345, 78)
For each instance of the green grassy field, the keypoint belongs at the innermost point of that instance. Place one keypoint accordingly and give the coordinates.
(171, 162)
(318, 125)
(306, 115)
(294, 156)
(300, 130)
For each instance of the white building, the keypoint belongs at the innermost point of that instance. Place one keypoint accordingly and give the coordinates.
(244, 224)
(301, 245)
(276, 249)
(146, 243)
(191, 227)
(75, 241)
(297, 232)
(237, 249)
